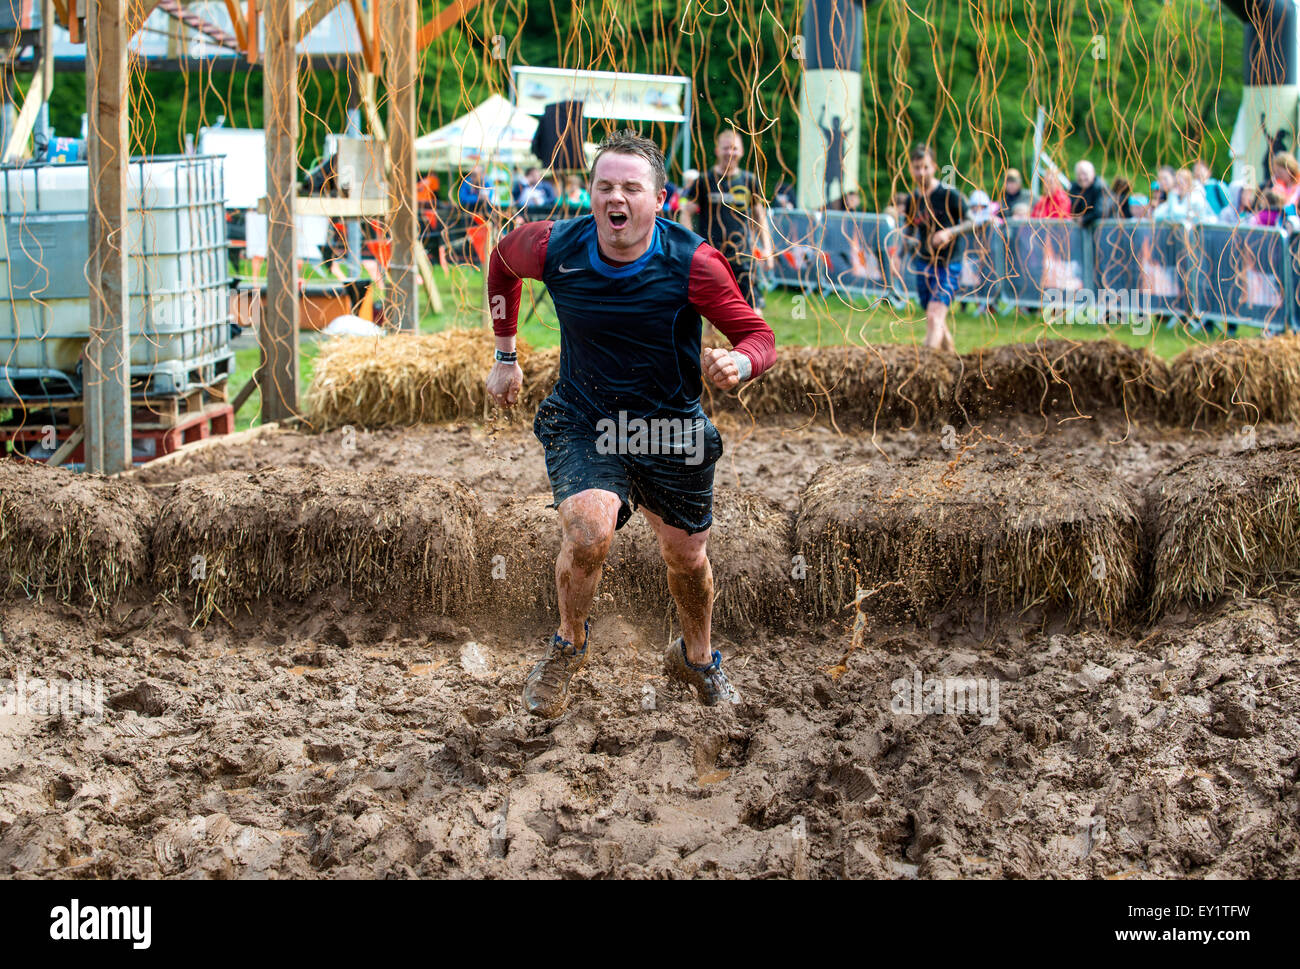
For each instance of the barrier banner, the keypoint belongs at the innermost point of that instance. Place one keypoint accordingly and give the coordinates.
(1044, 259)
(1244, 275)
(983, 264)
(857, 260)
(797, 237)
(1152, 264)
(1293, 323)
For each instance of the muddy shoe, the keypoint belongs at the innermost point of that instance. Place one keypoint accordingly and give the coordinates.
(709, 681)
(546, 691)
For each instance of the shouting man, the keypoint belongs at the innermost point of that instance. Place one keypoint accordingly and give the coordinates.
(629, 289)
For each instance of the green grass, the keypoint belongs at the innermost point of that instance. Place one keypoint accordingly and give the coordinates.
(797, 319)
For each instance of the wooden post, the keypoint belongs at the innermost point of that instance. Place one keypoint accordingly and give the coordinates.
(107, 374)
(279, 330)
(402, 306)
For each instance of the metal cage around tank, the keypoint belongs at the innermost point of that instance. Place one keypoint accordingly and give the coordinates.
(177, 270)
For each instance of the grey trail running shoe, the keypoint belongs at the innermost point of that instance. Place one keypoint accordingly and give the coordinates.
(546, 691)
(709, 681)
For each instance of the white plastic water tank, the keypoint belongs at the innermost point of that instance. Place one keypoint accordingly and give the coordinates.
(176, 274)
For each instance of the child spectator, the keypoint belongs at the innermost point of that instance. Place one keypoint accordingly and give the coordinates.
(1270, 213)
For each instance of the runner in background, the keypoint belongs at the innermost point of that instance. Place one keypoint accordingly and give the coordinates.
(935, 217)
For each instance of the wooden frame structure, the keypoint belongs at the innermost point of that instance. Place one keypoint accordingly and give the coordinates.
(390, 43)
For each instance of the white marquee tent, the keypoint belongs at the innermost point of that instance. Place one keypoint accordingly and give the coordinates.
(495, 132)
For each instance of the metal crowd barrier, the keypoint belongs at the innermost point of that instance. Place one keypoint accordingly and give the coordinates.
(797, 237)
(1044, 259)
(1245, 275)
(860, 255)
(1156, 260)
(1238, 274)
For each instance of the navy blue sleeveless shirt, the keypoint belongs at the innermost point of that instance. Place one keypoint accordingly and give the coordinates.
(629, 337)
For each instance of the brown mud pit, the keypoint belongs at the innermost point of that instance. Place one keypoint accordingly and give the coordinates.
(322, 739)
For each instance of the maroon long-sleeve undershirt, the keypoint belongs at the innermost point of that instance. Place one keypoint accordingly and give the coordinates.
(712, 291)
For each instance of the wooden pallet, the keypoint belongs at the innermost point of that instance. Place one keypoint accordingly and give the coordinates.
(213, 419)
(146, 413)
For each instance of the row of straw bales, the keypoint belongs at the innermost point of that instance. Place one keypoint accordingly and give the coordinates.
(409, 379)
(995, 534)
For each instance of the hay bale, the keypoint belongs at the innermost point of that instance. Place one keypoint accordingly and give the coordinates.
(1221, 525)
(391, 539)
(851, 387)
(1007, 533)
(406, 378)
(749, 549)
(73, 535)
(1250, 381)
(1061, 376)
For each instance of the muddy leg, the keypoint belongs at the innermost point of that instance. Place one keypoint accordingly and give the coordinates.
(690, 580)
(587, 519)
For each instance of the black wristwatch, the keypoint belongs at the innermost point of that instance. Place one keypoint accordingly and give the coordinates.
(507, 356)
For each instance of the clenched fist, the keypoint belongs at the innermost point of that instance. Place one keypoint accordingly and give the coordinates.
(720, 367)
(504, 383)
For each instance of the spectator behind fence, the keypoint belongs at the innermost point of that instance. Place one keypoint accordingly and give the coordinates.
(1054, 203)
(1216, 193)
(897, 207)
(473, 191)
(1246, 202)
(1121, 198)
(534, 190)
(1270, 212)
(1286, 178)
(1013, 190)
(1089, 197)
(784, 197)
(1186, 202)
(850, 201)
(1163, 186)
(575, 194)
(982, 209)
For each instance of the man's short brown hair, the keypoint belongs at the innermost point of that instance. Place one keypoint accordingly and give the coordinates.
(630, 143)
(920, 151)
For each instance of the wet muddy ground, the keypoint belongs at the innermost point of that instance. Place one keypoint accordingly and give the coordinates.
(320, 739)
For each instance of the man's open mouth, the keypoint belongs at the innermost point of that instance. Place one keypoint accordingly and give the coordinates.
(618, 219)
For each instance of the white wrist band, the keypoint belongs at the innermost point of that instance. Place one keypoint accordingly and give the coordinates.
(742, 364)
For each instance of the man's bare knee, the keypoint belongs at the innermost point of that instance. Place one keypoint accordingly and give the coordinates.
(588, 522)
(587, 543)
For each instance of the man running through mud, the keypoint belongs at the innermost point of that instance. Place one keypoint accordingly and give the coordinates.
(623, 428)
